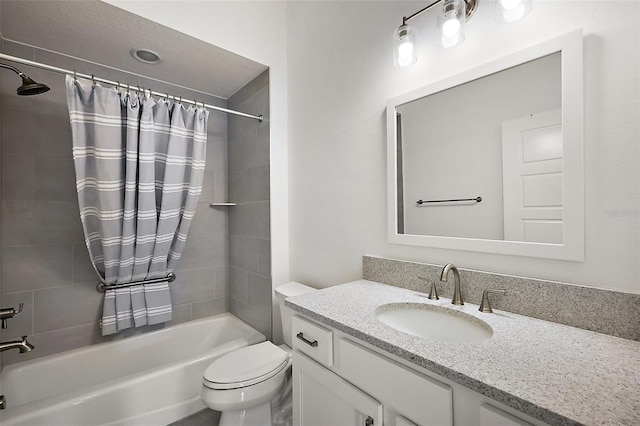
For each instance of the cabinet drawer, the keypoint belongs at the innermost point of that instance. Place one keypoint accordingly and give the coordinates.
(419, 398)
(313, 340)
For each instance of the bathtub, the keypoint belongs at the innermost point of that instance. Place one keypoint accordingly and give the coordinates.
(150, 379)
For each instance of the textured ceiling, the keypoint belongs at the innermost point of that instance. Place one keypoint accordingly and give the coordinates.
(105, 34)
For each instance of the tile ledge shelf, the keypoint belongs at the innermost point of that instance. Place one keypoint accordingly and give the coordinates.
(221, 204)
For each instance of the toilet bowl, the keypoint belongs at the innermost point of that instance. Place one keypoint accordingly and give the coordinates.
(242, 383)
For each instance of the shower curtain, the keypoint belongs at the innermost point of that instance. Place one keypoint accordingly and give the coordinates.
(139, 168)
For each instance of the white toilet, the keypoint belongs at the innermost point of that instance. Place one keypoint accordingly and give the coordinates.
(241, 383)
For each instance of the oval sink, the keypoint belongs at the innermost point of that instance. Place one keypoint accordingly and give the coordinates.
(434, 322)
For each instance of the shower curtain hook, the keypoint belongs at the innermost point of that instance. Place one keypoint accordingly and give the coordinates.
(94, 80)
(75, 76)
(127, 88)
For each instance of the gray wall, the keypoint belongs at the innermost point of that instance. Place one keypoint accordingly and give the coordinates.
(44, 260)
(249, 222)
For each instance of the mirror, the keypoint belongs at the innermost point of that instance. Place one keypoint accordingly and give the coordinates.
(491, 160)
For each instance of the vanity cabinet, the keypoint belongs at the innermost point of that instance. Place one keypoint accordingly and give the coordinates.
(323, 398)
(339, 380)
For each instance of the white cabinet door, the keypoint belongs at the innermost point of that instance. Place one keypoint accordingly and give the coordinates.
(491, 416)
(321, 398)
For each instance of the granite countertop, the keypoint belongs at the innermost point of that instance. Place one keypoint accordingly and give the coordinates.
(561, 375)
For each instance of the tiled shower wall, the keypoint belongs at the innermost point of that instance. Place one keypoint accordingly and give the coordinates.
(45, 264)
(249, 222)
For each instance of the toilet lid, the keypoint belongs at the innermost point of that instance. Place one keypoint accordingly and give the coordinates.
(246, 366)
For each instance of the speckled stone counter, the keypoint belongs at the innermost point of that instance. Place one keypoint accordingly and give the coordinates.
(558, 374)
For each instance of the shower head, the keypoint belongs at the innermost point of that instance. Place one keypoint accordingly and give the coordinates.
(29, 87)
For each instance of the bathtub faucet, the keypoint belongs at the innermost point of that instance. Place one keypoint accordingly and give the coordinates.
(22, 345)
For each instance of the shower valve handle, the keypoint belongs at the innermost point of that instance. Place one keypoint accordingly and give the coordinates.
(6, 313)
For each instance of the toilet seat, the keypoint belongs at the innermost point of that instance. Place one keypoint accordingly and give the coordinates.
(245, 367)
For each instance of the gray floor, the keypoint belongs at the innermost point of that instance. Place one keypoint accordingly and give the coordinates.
(204, 417)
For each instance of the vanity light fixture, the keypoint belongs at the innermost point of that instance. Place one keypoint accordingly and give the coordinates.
(451, 21)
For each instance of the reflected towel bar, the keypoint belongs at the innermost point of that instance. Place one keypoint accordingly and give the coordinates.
(102, 287)
(477, 199)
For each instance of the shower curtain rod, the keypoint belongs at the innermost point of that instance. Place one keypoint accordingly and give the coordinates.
(118, 84)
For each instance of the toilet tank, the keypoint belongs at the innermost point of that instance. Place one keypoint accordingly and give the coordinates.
(282, 292)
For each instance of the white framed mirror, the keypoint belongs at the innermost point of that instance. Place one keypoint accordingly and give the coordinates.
(491, 160)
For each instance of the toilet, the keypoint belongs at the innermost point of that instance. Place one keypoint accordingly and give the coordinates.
(242, 383)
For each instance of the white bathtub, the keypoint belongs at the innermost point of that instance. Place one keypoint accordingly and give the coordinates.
(150, 379)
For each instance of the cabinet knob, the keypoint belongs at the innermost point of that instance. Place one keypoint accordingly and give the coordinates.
(368, 421)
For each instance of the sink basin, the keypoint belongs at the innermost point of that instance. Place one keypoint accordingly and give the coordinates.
(434, 322)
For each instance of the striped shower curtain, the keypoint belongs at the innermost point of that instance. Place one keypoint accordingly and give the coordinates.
(139, 168)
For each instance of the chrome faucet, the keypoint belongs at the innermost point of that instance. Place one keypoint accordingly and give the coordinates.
(22, 345)
(457, 295)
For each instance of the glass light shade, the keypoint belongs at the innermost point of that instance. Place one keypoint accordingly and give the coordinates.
(404, 38)
(451, 22)
(508, 11)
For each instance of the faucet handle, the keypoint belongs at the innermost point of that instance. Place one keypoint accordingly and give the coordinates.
(433, 293)
(485, 306)
(6, 313)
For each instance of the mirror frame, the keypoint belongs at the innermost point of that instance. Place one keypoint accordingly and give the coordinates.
(572, 248)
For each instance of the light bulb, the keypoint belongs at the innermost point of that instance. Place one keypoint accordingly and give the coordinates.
(451, 27)
(451, 22)
(508, 11)
(510, 4)
(405, 61)
(448, 42)
(404, 50)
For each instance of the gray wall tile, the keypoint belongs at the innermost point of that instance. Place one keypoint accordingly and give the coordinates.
(180, 314)
(238, 189)
(36, 267)
(239, 285)
(18, 139)
(64, 307)
(55, 179)
(258, 183)
(220, 188)
(209, 307)
(206, 250)
(18, 177)
(264, 258)
(221, 288)
(250, 295)
(243, 151)
(83, 270)
(192, 285)
(259, 290)
(263, 146)
(208, 185)
(40, 222)
(243, 253)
